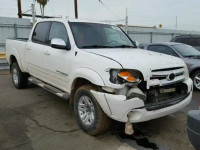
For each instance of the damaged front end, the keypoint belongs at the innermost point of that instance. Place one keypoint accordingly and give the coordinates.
(141, 100)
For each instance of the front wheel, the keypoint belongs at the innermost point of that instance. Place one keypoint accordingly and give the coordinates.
(88, 112)
(196, 80)
(20, 79)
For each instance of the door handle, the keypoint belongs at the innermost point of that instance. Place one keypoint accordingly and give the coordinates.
(46, 53)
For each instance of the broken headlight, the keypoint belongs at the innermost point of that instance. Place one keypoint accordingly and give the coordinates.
(125, 76)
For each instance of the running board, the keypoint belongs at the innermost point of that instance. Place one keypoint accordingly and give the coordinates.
(49, 88)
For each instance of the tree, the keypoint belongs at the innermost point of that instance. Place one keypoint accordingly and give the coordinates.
(42, 4)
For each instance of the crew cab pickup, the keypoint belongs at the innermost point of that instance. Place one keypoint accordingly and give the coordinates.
(100, 70)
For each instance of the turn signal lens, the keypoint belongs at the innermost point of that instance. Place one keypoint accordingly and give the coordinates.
(124, 74)
(131, 79)
(127, 76)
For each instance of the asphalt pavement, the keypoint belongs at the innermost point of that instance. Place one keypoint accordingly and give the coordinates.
(34, 119)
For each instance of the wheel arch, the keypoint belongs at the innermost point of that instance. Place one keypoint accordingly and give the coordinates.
(194, 70)
(15, 57)
(83, 76)
(12, 60)
(78, 82)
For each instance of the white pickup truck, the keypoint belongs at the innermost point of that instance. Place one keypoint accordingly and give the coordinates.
(98, 68)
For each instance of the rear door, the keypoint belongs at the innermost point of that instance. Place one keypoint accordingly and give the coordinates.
(35, 49)
(57, 61)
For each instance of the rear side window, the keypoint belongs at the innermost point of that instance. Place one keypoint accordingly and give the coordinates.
(58, 30)
(162, 49)
(40, 32)
(189, 41)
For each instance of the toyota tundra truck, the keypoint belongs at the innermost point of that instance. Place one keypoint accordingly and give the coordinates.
(100, 71)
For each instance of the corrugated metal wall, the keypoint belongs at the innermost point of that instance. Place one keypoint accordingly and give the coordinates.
(151, 35)
(12, 28)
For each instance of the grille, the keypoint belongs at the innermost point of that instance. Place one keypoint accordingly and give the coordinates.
(166, 103)
(167, 76)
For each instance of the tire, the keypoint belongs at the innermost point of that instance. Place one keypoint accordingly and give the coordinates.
(196, 81)
(20, 79)
(96, 124)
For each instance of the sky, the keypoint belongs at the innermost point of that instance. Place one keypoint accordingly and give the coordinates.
(140, 12)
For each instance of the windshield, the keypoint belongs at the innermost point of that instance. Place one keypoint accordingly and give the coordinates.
(93, 35)
(186, 50)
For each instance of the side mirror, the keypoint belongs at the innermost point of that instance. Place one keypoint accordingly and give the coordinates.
(137, 43)
(59, 43)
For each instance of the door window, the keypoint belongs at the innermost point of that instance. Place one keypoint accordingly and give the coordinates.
(40, 32)
(162, 49)
(58, 30)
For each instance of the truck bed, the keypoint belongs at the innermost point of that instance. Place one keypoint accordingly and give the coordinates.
(16, 47)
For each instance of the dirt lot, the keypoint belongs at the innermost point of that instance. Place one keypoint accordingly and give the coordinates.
(34, 119)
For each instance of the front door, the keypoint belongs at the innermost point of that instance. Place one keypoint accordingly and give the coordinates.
(57, 61)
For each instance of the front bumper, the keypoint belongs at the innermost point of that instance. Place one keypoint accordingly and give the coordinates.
(118, 107)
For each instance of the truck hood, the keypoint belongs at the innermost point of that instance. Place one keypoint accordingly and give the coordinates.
(139, 59)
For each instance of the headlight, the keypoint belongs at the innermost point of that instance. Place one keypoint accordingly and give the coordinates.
(125, 76)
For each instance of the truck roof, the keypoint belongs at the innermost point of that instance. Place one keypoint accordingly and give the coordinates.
(73, 20)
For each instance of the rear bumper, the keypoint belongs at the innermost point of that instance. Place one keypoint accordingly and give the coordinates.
(118, 107)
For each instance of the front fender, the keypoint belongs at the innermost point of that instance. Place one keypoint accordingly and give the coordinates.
(194, 68)
(88, 74)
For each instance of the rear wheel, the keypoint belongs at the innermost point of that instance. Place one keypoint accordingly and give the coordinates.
(88, 112)
(196, 80)
(20, 79)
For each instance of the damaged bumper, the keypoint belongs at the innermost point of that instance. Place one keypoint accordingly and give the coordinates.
(118, 107)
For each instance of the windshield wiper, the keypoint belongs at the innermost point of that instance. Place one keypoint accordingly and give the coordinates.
(104, 46)
(123, 46)
(96, 46)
